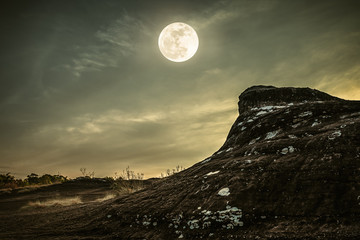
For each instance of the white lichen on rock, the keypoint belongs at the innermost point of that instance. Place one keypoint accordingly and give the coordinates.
(271, 135)
(231, 215)
(268, 108)
(291, 149)
(284, 151)
(206, 160)
(305, 114)
(287, 150)
(146, 223)
(212, 173)
(254, 141)
(224, 192)
(261, 113)
(193, 224)
(315, 123)
(334, 135)
(229, 149)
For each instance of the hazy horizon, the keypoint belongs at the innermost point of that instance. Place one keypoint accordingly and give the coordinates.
(84, 84)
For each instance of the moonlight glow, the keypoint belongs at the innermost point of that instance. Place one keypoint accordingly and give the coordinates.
(178, 42)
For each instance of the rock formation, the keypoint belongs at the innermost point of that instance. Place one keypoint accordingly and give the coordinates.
(290, 168)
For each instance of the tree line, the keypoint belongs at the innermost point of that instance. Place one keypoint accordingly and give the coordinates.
(9, 181)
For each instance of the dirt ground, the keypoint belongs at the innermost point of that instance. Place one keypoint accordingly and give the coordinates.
(59, 211)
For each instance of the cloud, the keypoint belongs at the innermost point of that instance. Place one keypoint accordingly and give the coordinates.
(345, 85)
(149, 141)
(114, 42)
(222, 12)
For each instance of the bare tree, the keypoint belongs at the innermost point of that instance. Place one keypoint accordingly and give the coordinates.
(170, 172)
(83, 171)
(91, 174)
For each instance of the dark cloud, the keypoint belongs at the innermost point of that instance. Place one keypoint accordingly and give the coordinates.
(84, 84)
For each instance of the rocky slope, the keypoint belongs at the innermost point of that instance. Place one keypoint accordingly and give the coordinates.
(289, 169)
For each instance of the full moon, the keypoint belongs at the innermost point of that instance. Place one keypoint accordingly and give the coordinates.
(178, 42)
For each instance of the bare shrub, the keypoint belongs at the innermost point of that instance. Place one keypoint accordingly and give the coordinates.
(128, 181)
(173, 171)
(87, 174)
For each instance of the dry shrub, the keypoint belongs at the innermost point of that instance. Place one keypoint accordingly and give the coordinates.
(127, 186)
(128, 181)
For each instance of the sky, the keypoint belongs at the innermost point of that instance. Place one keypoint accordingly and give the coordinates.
(84, 84)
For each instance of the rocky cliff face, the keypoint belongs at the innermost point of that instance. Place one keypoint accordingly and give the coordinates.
(290, 168)
(258, 96)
